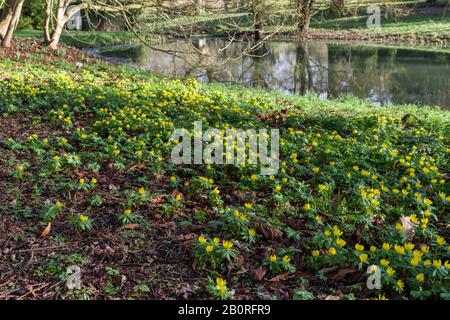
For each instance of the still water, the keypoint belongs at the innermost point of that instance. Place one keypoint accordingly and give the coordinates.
(383, 75)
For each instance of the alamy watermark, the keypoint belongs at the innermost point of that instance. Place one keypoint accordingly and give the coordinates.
(374, 278)
(233, 146)
(374, 19)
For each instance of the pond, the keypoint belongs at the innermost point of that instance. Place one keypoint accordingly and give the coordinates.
(380, 74)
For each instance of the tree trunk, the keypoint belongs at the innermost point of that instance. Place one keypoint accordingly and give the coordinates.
(17, 11)
(62, 16)
(337, 6)
(48, 17)
(6, 17)
(258, 19)
(304, 13)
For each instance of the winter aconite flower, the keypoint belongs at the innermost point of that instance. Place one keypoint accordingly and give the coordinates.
(390, 272)
(340, 242)
(202, 240)
(384, 262)
(221, 285)
(437, 263)
(363, 257)
(227, 244)
(400, 284)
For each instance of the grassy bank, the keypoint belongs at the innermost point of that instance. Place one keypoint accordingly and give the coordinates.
(83, 39)
(86, 179)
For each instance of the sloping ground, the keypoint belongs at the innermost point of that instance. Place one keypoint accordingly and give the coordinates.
(86, 180)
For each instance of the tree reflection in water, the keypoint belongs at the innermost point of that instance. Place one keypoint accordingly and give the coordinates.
(383, 75)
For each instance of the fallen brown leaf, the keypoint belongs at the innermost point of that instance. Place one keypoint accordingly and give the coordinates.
(46, 230)
(258, 274)
(268, 232)
(281, 277)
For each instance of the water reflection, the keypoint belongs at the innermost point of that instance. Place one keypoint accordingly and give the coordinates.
(383, 75)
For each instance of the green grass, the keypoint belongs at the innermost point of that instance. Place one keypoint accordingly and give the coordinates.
(83, 39)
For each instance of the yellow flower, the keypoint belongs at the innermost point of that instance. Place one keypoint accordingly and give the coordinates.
(373, 249)
(363, 257)
(227, 244)
(384, 262)
(386, 246)
(178, 197)
(315, 253)
(83, 218)
(286, 259)
(359, 247)
(340, 242)
(440, 240)
(93, 181)
(318, 218)
(427, 262)
(390, 272)
(437, 263)
(332, 251)
(20, 168)
(323, 187)
(327, 233)
(209, 248)
(221, 285)
(409, 246)
(216, 240)
(251, 232)
(273, 258)
(425, 249)
(420, 277)
(81, 181)
(248, 205)
(447, 264)
(417, 254)
(254, 177)
(399, 249)
(427, 202)
(415, 261)
(202, 240)
(337, 232)
(127, 212)
(316, 170)
(399, 227)
(307, 206)
(141, 191)
(400, 284)
(59, 205)
(173, 178)
(278, 188)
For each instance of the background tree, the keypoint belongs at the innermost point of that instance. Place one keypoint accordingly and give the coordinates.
(304, 12)
(9, 20)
